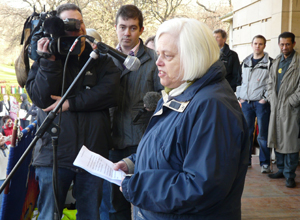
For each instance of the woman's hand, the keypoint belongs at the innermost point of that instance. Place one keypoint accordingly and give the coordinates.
(121, 165)
(121, 185)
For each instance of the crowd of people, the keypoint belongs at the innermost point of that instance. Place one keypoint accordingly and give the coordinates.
(188, 158)
(268, 91)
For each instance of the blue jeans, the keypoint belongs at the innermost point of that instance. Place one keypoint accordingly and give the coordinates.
(113, 203)
(287, 164)
(87, 190)
(262, 113)
(106, 207)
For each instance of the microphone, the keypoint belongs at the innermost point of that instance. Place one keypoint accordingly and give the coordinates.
(150, 103)
(54, 26)
(130, 62)
(150, 100)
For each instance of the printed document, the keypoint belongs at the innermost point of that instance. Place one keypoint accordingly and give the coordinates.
(98, 166)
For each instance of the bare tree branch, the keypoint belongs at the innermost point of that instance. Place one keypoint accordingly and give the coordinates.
(100, 15)
(203, 6)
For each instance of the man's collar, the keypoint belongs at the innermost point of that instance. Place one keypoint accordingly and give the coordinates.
(289, 57)
(133, 50)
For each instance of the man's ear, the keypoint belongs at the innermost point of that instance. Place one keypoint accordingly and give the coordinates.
(142, 30)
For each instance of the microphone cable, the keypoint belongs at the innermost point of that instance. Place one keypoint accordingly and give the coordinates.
(55, 161)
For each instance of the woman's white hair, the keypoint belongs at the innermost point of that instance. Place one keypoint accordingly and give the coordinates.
(197, 47)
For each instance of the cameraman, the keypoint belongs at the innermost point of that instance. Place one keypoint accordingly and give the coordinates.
(85, 120)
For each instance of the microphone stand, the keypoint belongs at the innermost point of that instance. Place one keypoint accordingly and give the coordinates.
(49, 126)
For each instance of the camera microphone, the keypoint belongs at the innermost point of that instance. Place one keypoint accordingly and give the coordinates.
(54, 26)
(130, 62)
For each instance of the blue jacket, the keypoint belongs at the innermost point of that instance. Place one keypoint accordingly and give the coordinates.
(192, 160)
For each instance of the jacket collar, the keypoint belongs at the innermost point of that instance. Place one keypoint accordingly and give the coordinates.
(225, 50)
(248, 60)
(142, 55)
(215, 73)
(290, 57)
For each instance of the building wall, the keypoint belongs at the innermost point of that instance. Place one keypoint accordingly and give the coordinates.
(266, 17)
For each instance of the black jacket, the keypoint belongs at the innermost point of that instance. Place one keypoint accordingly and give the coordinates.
(232, 64)
(87, 121)
(133, 87)
(25, 103)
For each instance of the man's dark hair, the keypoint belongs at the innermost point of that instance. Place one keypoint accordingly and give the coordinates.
(152, 38)
(130, 11)
(261, 37)
(287, 35)
(5, 118)
(67, 7)
(222, 32)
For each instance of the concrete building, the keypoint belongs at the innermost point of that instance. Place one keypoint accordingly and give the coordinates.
(266, 17)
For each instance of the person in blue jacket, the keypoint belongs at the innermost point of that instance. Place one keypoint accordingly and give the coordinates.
(192, 160)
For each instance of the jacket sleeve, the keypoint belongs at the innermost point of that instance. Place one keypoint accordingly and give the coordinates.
(270, 84)
(215, 159)
(235, 69)
(239, 82)
(44, 79)
(27, 107)
(239, 79)
(104, 94)
(294, 99)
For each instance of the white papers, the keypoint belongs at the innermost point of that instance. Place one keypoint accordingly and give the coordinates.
(22, 113)
(98, 166)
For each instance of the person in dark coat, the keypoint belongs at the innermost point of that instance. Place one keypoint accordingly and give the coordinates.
(126, 131)
(25, 105)
(230, 59)
(84, 119)
(192, 160)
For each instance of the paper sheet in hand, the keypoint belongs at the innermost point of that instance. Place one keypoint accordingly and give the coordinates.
(98, 166)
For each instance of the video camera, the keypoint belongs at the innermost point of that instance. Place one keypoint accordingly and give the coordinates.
(58, 42)
(54, 28)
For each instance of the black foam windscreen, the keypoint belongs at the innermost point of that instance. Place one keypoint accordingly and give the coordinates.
(151, 99)
(54, 26)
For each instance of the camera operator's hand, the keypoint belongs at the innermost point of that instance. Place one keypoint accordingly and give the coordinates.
(42, 48)
(65, 106)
